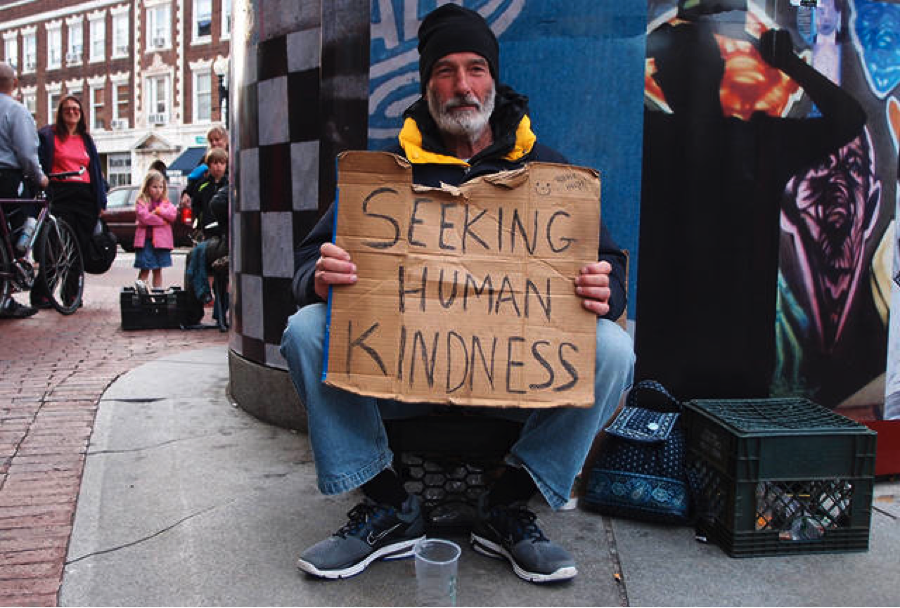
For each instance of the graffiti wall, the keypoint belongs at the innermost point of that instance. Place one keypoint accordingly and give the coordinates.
(578, 61)
(770, 168)
(837, 220)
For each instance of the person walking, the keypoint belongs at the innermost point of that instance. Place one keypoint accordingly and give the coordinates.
(153, 238)
(78, 200)
(466, 124)
(19, 168)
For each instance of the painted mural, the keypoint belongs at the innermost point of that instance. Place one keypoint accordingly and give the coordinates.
(782, 155)
(837, 221)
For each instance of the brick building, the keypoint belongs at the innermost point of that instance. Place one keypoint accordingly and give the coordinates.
(145, 71)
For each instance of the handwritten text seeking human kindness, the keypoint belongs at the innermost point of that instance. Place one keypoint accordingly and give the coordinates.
(465, 295)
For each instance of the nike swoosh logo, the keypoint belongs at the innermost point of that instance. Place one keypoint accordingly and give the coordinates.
(372, 538)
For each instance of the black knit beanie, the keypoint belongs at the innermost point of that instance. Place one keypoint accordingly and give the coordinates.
(454, 29)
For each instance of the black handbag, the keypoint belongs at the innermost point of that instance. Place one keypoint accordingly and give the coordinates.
(100, 250)
(639, 472)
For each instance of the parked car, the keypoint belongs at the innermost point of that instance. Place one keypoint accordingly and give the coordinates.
(120, 216)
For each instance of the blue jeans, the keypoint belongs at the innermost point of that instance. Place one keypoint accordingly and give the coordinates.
(196, 272)
(350, 444)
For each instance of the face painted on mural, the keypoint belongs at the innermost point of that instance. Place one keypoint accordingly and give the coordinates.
(877, 32)
(834, 206)
(828, 17)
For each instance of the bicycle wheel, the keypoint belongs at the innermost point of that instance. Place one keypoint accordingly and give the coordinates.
(61, 269)
(6, 270)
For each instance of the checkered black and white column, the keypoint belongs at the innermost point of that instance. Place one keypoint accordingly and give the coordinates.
(300, 96)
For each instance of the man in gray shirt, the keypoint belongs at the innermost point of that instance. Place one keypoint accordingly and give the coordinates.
(18, 163)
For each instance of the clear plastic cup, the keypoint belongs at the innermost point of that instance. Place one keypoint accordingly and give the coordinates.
(436, 568)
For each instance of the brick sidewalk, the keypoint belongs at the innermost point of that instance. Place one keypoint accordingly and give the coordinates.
(53, 371)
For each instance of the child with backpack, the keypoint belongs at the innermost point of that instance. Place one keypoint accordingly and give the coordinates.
(153, 239)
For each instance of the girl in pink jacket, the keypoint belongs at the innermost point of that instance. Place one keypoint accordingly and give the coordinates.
(153, 240)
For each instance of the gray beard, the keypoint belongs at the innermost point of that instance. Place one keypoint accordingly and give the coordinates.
(466, 124)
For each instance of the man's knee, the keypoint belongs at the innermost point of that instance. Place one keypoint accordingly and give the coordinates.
(305, 329)
(217, 247)
(615, 349)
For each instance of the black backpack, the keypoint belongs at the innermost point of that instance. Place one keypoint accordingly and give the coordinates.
(99, 250)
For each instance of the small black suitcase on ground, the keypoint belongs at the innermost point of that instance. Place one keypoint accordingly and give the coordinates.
(158, 309)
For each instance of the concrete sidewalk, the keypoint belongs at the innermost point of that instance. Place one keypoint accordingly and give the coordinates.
(188, 500)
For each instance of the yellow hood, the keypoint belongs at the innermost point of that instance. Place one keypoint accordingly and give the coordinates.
(411, 142)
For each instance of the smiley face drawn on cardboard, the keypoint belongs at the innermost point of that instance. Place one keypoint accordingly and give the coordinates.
(543, 188)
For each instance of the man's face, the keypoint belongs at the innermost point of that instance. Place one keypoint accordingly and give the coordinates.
(460, 94)
(217, 169)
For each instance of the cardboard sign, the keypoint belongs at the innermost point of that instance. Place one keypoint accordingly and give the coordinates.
(465, 294)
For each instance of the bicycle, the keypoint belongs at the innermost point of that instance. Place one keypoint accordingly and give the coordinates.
(55, 249)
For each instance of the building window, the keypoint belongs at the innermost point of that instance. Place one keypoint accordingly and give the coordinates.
(54, 47)
(76, 43)
(29, 50)
(120, 35)
(75, 92)
(202, 20)
(118, 171)
(11, 52)
(30, 102)
(121, 94)
(97, 100)
(202, 96)
(158, 100)
(226, 20)
(98, 38)
(158, 26)
(52, 102)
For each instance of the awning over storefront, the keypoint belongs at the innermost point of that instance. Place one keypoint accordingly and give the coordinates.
(186, 162)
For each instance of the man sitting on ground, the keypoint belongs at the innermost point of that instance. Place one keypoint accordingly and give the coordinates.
(465, 125)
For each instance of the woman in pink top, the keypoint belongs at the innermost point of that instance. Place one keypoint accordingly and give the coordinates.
(66, 145)
(153, 240)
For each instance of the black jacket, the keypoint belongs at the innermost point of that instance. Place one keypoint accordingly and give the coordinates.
(201, 201)
(419, 141)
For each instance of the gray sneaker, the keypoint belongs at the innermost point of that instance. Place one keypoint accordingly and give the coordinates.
(512, 532)
(373, 532)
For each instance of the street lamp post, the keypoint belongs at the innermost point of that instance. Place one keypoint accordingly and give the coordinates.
(220, 67)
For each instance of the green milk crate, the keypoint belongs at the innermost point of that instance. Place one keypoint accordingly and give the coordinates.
(779, 476)
(157, 309)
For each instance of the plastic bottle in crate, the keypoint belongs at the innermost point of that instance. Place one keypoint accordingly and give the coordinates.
(803, 527)
(780, 510)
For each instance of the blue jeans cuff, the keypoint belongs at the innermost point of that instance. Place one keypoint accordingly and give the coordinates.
(345, 483)
(553, 498)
